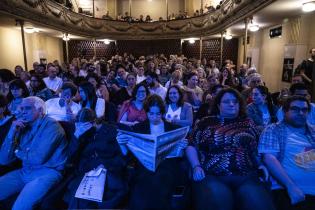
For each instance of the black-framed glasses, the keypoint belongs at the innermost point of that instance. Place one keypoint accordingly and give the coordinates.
(297, 109)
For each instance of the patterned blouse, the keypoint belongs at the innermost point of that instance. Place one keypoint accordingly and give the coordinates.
(226, 147)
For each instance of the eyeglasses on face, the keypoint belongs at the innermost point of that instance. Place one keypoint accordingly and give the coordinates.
(233, 101)
(297, 109)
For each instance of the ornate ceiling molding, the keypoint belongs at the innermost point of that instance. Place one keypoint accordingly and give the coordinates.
(53, 15)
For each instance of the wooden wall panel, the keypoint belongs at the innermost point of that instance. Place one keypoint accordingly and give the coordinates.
(210, 50)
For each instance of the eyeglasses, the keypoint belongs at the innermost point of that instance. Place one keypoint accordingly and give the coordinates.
(233, 101)
(299, 109)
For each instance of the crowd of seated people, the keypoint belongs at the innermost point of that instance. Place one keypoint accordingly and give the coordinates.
(245, 149)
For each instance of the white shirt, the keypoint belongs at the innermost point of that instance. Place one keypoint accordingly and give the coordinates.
(53, 84)
(170, 114)
(299, 162)
(99, 107)
(169, 83)
(140, 78)
(161, 91)
(55, 111)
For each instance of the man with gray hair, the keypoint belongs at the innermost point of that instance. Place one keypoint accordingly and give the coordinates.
(39, 142)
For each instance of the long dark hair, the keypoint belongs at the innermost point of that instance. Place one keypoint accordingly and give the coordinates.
(41, 82)
(135, 90)
(90, 94)
(180, 101)
(18, 83)
(264, 91)
(217, 100)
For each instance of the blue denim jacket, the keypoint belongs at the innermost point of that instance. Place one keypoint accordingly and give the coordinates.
(44, 145)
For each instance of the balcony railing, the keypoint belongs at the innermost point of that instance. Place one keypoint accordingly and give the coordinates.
(51, 14)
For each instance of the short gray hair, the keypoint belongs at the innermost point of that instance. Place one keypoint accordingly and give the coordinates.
(38, 103)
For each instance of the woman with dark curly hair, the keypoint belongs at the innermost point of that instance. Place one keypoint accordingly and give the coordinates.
(177, 111)
(223, 158)
(132, 111)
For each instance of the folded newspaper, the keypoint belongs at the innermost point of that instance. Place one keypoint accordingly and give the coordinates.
(150, 150)
(92, 185)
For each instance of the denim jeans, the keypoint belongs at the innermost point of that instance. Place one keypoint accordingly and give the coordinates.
(32, 184)
(231, 192)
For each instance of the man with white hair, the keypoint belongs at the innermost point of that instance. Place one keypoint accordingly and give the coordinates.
(39, 142)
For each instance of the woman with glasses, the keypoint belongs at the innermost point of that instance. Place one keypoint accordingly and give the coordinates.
(132, 111)
(261, 110)
(38, 88)
(223, 158)
(152, 190)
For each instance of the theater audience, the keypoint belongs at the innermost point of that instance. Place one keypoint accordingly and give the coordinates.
(132, 111)
(223, 158)
(63, 108)
(222, 153)
(152, 190)
(39, 142)
(178, 112)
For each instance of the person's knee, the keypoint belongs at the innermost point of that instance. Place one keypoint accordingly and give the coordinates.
(213, 194)
(250, 195)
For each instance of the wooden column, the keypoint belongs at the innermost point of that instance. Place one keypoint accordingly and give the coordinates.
(93, 8)
(245, 40)
(130, 7)
(201, 7)
(166, 2)
(200, 48)
(67, 51)
(221, 49)
(21, 22)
